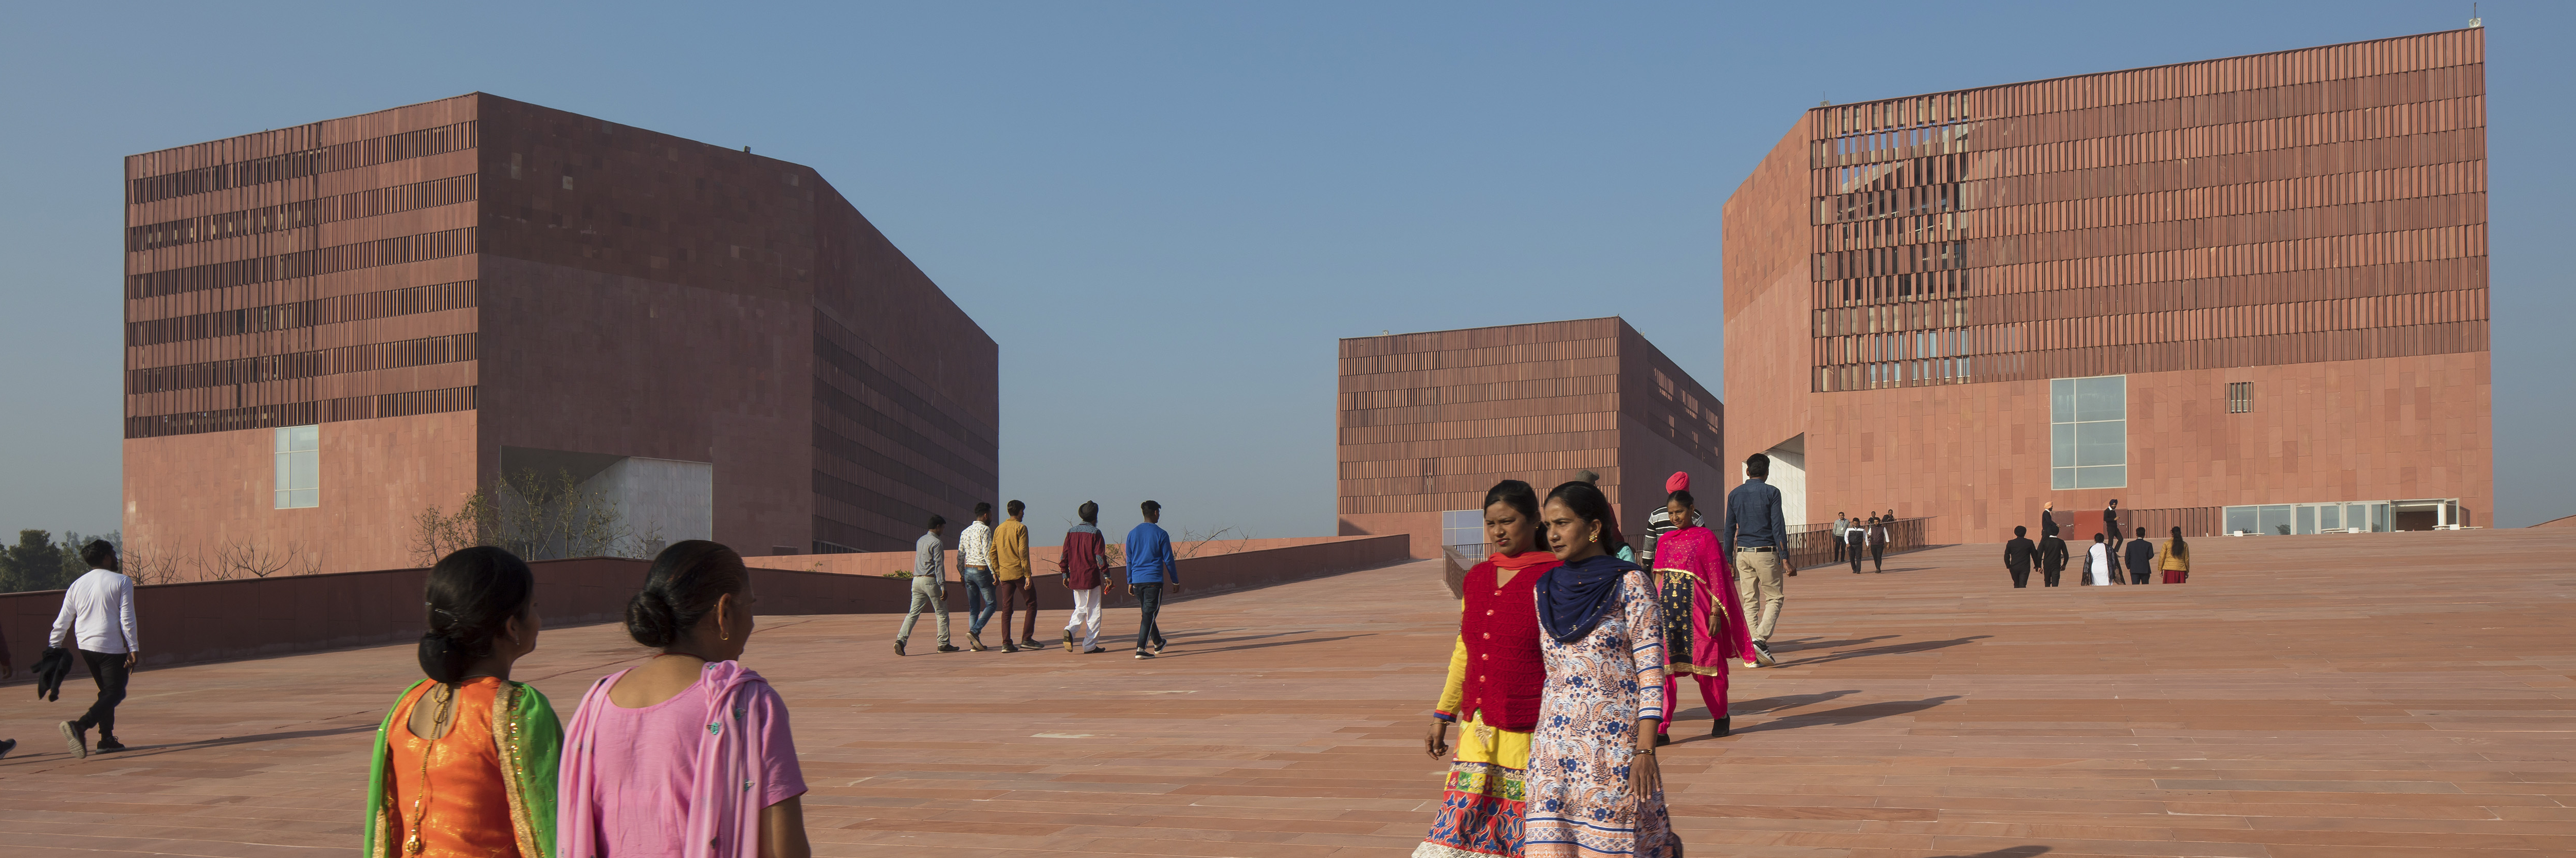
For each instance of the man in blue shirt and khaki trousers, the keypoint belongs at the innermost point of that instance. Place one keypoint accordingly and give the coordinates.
(1758, 528)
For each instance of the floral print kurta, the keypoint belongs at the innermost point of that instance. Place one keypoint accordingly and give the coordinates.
(1579, 804)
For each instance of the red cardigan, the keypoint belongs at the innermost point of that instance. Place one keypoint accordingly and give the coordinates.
(1505, 672)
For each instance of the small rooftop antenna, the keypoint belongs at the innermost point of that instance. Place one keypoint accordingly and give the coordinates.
(1824, 100)
(2475, 22)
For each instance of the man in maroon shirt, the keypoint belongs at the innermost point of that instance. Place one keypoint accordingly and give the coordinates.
(1085, 559)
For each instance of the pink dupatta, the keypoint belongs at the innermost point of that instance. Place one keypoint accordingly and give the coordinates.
(725, 802)
(1696, 551)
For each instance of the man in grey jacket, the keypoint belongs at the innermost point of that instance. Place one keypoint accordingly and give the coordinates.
(929, 585)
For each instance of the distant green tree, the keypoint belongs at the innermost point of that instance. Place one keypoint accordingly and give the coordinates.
(35, 563)
(72, 543)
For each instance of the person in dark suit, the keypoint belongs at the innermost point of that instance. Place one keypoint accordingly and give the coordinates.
(2017, 556)
(2141, 557)
(2048, 519)
(1854, 538)
(2052, 559)
(2111, 525)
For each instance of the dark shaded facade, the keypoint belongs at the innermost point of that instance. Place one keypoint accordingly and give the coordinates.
(2246, 281)
(454, 290)
(1427, 422)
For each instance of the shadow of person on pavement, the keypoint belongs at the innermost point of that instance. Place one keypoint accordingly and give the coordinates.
(135, 751)
(1847, 715)
(2007, 852)
(1785, 701)
(1890, 649)
(1780, 646)
(1177, 652)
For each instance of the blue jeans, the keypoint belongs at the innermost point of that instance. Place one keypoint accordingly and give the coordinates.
(1149, 602)
(981, 604)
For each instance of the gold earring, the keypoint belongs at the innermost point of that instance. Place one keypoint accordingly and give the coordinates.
(1595, 537)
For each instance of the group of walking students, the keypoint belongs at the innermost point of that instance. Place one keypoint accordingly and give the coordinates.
(2103, 561)
(1563, 642)
(687, 754)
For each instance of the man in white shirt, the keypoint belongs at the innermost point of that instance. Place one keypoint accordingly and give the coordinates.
(975, 559)
(97, 621)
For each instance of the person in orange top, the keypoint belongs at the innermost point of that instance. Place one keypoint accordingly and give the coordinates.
(1011, 565)
(465, 760)
(1495, 676)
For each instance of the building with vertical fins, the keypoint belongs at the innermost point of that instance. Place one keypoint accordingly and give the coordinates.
(333, 327)
(1427, 422)
(2239, 295)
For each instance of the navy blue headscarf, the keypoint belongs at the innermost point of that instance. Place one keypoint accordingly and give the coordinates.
(1574, 597)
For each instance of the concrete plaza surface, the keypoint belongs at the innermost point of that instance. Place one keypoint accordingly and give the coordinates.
(2354, 696)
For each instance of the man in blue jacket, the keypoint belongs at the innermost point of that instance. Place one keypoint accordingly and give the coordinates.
(1150, 565)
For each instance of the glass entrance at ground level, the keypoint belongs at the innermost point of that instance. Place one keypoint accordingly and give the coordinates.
(2289, 518)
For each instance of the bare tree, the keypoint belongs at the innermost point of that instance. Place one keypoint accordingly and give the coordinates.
(536, 518)
(1200, 543)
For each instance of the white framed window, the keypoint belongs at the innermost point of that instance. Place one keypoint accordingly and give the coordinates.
(299, 467)
(2088, 432)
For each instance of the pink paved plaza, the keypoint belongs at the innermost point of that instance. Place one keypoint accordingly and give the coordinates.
(2360, 696)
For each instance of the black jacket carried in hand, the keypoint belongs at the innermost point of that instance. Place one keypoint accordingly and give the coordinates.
(50, 670)
(2017, 554)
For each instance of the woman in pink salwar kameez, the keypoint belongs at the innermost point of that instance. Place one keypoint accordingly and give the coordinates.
(1693, 564)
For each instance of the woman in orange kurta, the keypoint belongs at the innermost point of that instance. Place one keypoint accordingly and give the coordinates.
(465, 759)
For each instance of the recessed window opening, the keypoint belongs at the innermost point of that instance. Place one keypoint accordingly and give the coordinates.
(299, 467)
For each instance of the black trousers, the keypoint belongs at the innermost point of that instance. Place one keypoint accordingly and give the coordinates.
(1878, 556)
(1838, 550)
(2049, 577)
(1149, 602)
(2136, 577)
(2021, 577)
(1855, 558)
(108, 669)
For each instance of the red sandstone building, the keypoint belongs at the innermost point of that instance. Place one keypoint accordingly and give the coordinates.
(2243, 294)
(333, 327)
(1427, 422)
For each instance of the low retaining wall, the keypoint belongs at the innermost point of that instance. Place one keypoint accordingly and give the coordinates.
(220, 620)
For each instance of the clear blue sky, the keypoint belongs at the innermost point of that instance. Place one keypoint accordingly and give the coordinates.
(1167, 213)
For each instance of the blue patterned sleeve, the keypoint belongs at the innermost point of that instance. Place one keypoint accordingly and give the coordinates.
(1645, 624)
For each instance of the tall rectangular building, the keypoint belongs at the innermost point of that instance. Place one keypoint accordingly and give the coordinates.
(2247, 294)
(333, 327)
(1427, 422)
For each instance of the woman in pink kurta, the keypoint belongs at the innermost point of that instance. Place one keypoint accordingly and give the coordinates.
(688, 755)
(1693, 557)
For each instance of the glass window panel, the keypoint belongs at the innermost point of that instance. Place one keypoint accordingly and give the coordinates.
(2307, 519)
(2111, 477)
(304, 437)
(2240, 519)
(281, 439)
(2101, 398)
(2101, 443)
(304, 468)
(2061, 445)
(2379, 518)
(284, 479)
(307, 498)
(285, 499)
(2275, 520)
(2061, 478)
(2061, 400)
(2329, 517)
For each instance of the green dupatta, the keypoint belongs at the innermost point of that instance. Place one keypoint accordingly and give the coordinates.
(531, 744)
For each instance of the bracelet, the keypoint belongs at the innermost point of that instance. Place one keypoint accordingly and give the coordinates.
(1648, 752)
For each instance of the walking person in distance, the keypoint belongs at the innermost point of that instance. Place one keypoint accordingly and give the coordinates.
(1878, 541)
(97, 622)
(1703, 616)
(2017, 555)
(1841, 523)
(1759, 530)
(975, 570)
(1085, 558)
(1011, 569)
(2052, 560)
(2175, 559)
(929, 585)
(2100, 561)
(1150, 565)
(2141, 556)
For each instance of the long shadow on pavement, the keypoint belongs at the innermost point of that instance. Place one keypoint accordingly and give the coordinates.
(1890, 649)
(1847, 715)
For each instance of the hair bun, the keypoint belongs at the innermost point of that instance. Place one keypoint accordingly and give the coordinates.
(441, 659)
(651, 620)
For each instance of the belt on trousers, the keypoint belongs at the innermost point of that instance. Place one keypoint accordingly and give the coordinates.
(1758, 548)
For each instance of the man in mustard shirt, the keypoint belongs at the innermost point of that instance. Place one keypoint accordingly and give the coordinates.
(1011, 565)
